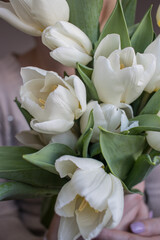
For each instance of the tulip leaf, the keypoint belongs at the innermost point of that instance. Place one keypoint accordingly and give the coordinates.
(84, 140)
(147, 122)
(85, 15)
(142, 167)
(132, 29)
(14, 167)
(129, 8)
(144, 34)
(95, 149)
(153, 105)
(16, 190)
(117, 24)
(46, 157)
(120, 151)
(25, 113)
(91, 90)
(47, 210)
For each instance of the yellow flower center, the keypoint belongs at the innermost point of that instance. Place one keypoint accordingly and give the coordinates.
(42, 101)
(84, 204)
(158, 23)
(122, 66)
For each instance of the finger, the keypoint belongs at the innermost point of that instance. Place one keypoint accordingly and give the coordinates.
(120, 235)
(148, 227)
(53, 228)
(132, 205)
(143, 212)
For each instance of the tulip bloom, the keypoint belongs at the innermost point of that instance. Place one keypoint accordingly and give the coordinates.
(120, 76)
(107, 116)
(33, 16)
(52, 101)
(158, 16)
(154, 83)
(90, 201)
(69, 44)
(153, 138)
(39, 140)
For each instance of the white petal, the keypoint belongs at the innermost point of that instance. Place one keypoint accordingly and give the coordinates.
(105, 80)
(110, 43)
(127, 108)
(23, 11)
(154, 48)
(80, 93)
(112, 116)
(89, 223)
(68, 229)
(8, 14)
(153, 139)
(67, 165)
(30, 139)
(124, 122)
(149, 63)
(47, 13)
(70, 56)
(56, 126)
(66, 200)
(61, 104)
(30, 73)
(53, 39)
(116, 201)
(99, 119)
(73, 32)
(94, 185)
(68, 138)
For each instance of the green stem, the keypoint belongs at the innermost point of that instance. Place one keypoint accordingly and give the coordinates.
(145, 99)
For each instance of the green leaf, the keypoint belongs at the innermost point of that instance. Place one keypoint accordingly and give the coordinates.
(14, 167)
(85, 15)
(47, 211)
(91, 90)
(46, 157)
(153, 105)
(147, 122)
(117, 24)
(142, 167)
(129, 8)
(16, 190)
(132, 29)
(95, 149)
(26, 114)
(143, 35)
(84, 140)
(120, 151)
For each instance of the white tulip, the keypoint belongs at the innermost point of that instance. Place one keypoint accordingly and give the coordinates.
(154, 83)
(69, 44)
(107, 116)
(90, 201)
(33, 16)
(37, 140)
(52, 101)
(120, 76)
(153, 138)
(158, 16)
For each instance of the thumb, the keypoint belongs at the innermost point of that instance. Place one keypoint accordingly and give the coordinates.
(147, 227)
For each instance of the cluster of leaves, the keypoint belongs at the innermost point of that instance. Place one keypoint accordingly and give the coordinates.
(32, 173)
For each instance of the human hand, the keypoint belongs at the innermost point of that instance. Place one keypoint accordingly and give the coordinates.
(141, 230)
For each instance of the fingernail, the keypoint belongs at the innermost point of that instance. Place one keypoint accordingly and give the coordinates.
(150, 214)
(137, 227)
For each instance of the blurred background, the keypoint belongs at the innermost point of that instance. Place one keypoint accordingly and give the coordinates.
(12, 40)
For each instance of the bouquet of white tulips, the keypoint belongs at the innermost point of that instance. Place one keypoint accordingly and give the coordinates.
(96, 134)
